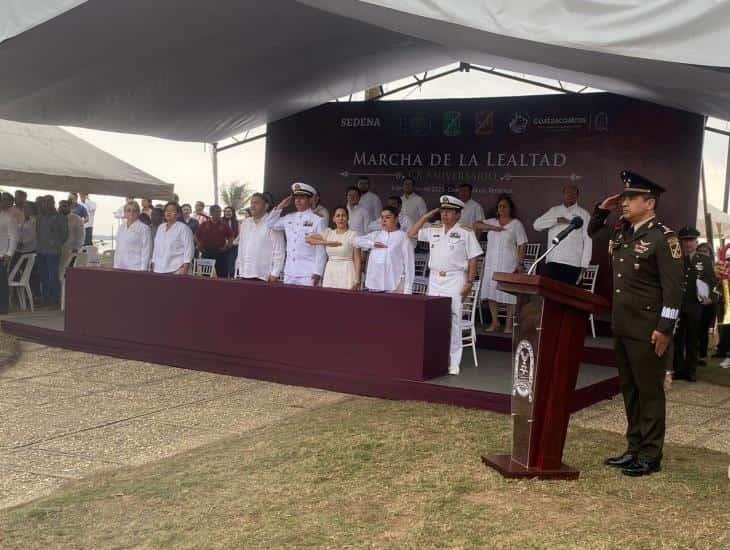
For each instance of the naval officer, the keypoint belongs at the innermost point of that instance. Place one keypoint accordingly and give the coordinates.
(648, 275)
(452, 263)
(304, 262)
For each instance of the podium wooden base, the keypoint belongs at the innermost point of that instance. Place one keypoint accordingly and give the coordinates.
(511, 469)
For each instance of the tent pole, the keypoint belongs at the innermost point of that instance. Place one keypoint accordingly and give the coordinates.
(708, 219)
(726, 197)
(214, 163)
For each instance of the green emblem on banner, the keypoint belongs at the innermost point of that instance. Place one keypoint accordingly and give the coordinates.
(452, 123)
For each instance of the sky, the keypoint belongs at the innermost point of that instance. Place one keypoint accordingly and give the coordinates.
(188, 165)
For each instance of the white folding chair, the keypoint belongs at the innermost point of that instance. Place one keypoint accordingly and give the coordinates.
(107, 258)
(420, 285)
(532, 251)
(88, 257)
(70, 262)
(468, 313)
(587, 281)
(19, 279)
(204, 267)
(421, 264)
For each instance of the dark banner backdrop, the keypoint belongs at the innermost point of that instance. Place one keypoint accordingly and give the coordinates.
(528, 147)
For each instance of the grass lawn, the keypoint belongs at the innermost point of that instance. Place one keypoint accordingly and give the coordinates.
(373, 473)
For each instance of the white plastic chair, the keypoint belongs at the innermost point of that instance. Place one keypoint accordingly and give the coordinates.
(70, 262)
(532, 251)
(19, 279)
(204, 267)
(88, 257)
(468, 314)
(587, 281)
(420, 285)
(107, 258)
(421, 264)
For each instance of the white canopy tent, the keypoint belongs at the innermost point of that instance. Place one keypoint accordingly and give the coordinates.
(202, 72)
(47, 157)
(720, 219)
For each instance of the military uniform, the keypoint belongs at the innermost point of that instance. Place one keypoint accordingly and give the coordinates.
(647, 294)
(448, 262)
(687, 337)
(302, 259)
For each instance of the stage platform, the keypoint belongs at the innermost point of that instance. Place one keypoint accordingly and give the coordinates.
(487, 386)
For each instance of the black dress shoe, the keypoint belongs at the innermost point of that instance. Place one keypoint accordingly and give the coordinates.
(640, 468)
(620, 461)
(680, 376)
(702, 363)
(691, 377)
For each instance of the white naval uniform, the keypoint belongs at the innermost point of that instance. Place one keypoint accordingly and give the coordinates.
(448, 263)
(472, 212)
(302, 260)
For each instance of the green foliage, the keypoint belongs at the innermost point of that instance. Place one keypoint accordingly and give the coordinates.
(236, 195)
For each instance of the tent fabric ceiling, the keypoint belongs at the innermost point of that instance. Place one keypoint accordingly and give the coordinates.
(47, 157)
(182, 70)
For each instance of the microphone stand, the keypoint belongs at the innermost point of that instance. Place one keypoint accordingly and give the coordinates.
(533, 267)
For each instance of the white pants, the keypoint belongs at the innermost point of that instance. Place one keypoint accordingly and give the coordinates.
(450, 286)
(297, 280)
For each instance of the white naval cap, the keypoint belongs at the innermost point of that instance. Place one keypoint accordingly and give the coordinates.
(447, 201)
(299, 188)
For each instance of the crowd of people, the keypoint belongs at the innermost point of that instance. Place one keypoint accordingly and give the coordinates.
(361, 245)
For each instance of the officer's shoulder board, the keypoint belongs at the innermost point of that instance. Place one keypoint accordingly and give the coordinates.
(468, 228)
(672, 240)
(436, 225)
(317, 214)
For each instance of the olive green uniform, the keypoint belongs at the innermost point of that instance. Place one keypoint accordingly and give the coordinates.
(687, 336)
(648, 275)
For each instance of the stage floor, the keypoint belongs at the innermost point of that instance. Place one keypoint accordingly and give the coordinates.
(487, 386)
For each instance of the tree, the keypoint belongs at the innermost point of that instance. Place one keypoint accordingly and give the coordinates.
(236, 195)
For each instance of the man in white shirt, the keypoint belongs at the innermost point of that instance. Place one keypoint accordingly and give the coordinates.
(368, 199)
(18, 210)
(452, 261)
(260, 249)
(75, 239)
(8, 244)
(91, 210)
(566, 262)
(358, 216)
(413, 205)
(304, 262)
(320, 210)
(472, 211)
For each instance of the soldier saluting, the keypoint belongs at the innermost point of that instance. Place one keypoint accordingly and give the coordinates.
(648, 274)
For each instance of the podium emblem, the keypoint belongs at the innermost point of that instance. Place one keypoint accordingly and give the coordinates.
(524, 370)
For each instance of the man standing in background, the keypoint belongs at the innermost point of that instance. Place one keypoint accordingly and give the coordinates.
(8, 244)
(90, 206)
(214, 238)
(472, 211)
(566, 262)
(19, 209)
(369, 200)
(200, 214)
(75, 238)
(76, 207)
(52, 230)
(414, 207)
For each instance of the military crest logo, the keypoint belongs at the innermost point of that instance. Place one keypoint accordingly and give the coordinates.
(452, 123)
(484, 123)
(524, 371)
(519, 123)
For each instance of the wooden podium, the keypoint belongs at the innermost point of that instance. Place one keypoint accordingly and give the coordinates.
(547, 345)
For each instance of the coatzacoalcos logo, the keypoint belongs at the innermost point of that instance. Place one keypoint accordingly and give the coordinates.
(519, 122)
(524, 370)
(452, 123)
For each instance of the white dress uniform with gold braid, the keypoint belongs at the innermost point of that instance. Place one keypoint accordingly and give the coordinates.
(302, 260)
(448, 262)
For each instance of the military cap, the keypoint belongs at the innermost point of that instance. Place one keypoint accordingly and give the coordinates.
(447, 201)
(688, 232)
(636, 184)
(299, 188)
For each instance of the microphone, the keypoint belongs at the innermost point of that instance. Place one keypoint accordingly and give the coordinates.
(575, 223)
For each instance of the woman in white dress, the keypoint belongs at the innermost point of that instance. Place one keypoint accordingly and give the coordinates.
(391, 263)
(505, 254)
(134, 241)
(343, 259)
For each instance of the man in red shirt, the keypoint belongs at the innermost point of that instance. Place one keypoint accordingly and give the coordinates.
(214, 238)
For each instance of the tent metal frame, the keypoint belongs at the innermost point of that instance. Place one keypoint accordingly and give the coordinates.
(467, 67)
